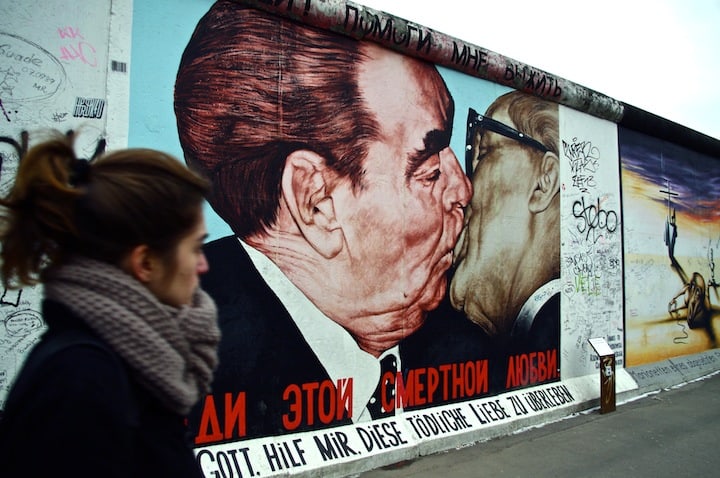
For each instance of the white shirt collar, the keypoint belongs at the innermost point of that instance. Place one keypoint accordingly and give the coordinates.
(532, 306)
(336, 349)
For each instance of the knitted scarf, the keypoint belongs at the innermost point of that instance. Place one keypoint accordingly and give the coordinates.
(172, 352)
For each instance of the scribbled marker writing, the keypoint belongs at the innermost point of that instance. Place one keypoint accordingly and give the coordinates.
(7, 117)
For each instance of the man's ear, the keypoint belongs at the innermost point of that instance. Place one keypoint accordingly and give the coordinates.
(140, 263)
(305, 190)
(547, 183)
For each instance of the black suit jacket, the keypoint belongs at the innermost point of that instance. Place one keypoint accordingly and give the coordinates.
(543, 337)
(544, 332)
(261, 351)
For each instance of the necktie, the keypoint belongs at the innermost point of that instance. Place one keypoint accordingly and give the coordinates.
(387, 364)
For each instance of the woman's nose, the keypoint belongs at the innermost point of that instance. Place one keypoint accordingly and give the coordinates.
(203, 265)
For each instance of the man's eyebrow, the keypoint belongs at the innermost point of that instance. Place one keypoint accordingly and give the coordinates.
(434, 141)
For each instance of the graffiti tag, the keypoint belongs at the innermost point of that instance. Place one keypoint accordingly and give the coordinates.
(584, 159)
(594, 221)
(80, 50)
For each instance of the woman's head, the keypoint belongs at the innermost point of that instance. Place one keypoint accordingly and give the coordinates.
(61, 206)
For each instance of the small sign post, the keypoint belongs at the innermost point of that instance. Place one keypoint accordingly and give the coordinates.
(607, 373)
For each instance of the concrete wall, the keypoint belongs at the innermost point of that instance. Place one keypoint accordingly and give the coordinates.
(632, 218)
(64, 66)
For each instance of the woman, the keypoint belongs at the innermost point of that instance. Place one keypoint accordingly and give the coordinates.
(131, 341)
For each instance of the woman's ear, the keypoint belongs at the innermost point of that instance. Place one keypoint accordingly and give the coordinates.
(140, 263)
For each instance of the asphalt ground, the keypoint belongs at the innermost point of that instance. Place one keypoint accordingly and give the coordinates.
(674, 432)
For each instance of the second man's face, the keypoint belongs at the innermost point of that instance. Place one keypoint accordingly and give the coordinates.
(496, 231)
(402, 222)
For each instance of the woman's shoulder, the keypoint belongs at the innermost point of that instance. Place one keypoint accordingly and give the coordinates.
(70, 347)
(71, 365)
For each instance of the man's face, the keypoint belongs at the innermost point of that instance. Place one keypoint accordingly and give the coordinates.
(494, 239)
(401, 223)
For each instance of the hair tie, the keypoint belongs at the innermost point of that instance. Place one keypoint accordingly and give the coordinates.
(79, 172)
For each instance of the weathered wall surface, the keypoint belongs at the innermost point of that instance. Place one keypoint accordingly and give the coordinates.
(63, 66)
(585, 230)
(591, 241)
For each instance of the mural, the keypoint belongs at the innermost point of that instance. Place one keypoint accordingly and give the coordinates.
(516, 194)
(672, 207)
(332, 291)
(413, 238)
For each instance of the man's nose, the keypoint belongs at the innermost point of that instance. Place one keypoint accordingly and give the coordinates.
(459, 190)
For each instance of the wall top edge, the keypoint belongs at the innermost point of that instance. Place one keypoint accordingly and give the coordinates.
(364, 23)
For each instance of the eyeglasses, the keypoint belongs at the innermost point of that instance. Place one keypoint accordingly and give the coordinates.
(477, 121)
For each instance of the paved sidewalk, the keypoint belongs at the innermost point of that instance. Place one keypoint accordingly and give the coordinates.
(671, 433)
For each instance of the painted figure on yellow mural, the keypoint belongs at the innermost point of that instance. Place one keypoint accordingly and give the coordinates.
(695, 303)
(695, 307)
(671, 228)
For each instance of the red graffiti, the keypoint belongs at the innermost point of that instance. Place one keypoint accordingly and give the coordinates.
(82, 50)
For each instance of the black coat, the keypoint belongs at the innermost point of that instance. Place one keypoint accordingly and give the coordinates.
(75, 410)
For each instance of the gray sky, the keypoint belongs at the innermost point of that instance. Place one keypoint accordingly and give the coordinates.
(658, 55)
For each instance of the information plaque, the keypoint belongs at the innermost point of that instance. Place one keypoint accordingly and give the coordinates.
(607, 373)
